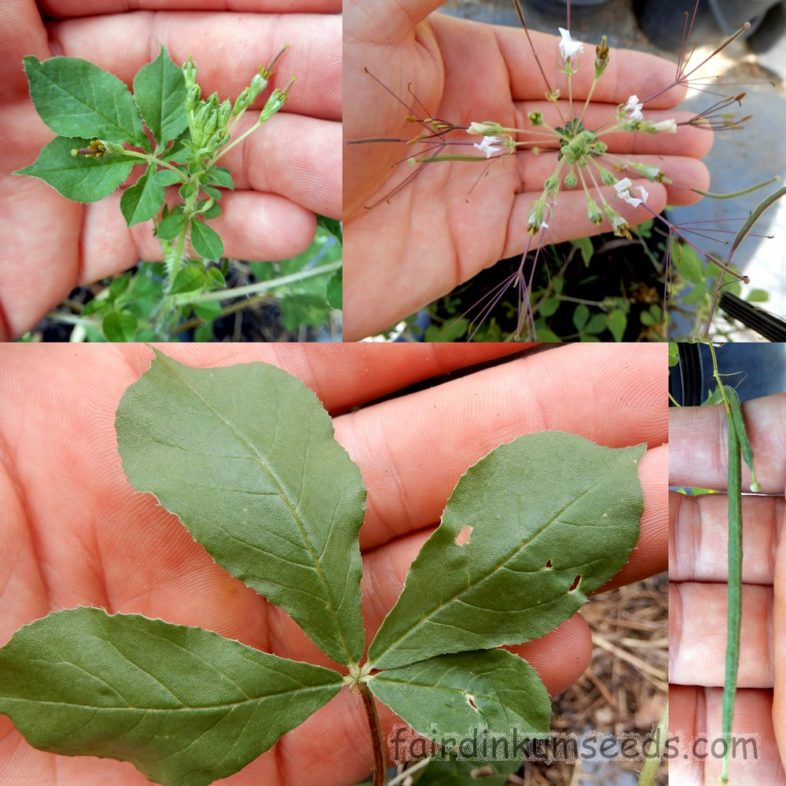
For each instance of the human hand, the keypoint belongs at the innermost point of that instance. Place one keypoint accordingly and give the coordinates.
(284, 173)
(74, 532)
(449, 223)
(697, 607)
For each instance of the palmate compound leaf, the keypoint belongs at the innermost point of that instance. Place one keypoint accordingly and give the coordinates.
(78, 177)
(246, 457)
(493, 695)
(76, 98)
(183, 705)
(527, 533)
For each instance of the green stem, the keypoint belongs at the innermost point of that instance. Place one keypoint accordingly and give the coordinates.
(224, 150)
(177, 256)
(735, 194)
(253, 289)
(754, 217)
(376, 733)
(650, 769)
(151, 159)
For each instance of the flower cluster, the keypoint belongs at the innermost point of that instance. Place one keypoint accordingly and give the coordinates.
(583, 161)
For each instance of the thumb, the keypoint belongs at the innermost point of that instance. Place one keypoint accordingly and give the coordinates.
(382, 22)
(21, 33)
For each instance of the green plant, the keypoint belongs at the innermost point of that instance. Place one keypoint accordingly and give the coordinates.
(178, 139)
(587, 171)
(246, 457)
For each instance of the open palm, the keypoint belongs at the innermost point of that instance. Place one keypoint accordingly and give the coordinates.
(284, 173)
(74, 532)
(697, 609)
(456, 218)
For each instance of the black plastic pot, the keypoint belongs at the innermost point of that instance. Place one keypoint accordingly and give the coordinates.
(662, 20)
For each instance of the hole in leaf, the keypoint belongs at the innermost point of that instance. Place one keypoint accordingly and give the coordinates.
(471, 701)
(463, 537)
(481, 773)
(549, 564)
(576, 582)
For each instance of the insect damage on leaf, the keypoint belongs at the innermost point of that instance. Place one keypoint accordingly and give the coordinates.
(246, 457)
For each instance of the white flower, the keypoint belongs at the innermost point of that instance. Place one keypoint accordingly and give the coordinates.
(490, 145)
(667, 126)
(617, 221)
(544, 225)
(567, 46)
(633, 108)
(622, 187)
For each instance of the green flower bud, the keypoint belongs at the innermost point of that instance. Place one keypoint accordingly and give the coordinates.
(275, 102)
(601, 57)
(224, 113)
(606, 177)
(535, 219)
(192, 99)
(242, 103)
(570, 180)
(535, 118)
(189, 72)
(551, 185)
(486, 128)
(593, 211)
(258, 84)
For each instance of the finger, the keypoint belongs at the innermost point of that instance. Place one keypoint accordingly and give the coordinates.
(228, 50)
(697, 635)
(252, 226)
(699, 536)
(779, 647)
(569, 218)
(695, 722)
(24, 591)
(22, 33)
(698, 444)
(383, 22)
(628, 72)
(70, 8)
(685, 173)
(613, 397)
(296, 157)
(688, 141)
(343, 376)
